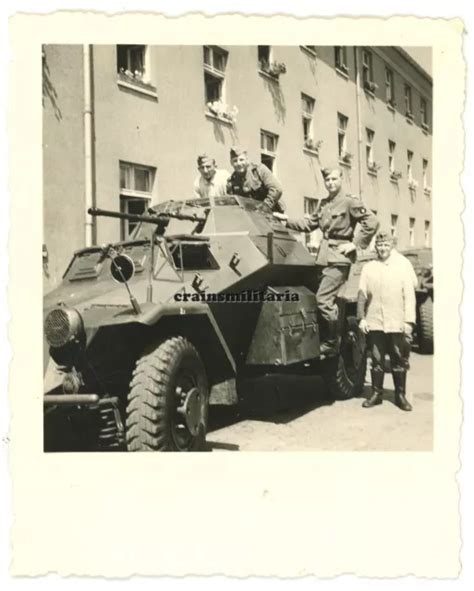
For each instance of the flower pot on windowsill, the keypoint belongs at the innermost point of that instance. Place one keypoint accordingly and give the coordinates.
(395, 176)
(134, 78)
(346, 158)
(427, 191)
(312, 145)
(273, 69)
(221, 111)
(373, 168)
(412, 185)
(370, 86)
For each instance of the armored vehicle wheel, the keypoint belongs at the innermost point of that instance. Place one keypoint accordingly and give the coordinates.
(425, 326)
(168, 399)
(345, 373)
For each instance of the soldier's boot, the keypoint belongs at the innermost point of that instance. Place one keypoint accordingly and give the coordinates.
(331, 342)
(377, 389)
(399, 381)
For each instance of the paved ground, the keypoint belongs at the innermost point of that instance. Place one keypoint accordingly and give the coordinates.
(310, 421)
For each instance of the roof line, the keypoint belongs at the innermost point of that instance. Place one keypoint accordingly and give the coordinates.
(414, 63)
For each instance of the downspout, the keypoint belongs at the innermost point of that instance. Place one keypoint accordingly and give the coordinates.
(359, 129)
(88, 147)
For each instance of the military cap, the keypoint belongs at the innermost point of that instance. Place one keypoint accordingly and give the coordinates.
(236, 151)
(326, 171)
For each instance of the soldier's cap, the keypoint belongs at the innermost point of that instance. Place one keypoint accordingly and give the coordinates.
(236, 151)
(203, 157)
(383, 236)
(326, 171)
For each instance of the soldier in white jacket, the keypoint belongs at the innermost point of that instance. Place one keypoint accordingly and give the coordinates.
(386, 309)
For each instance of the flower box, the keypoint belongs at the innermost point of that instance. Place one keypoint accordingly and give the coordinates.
(222, 111)
(370, 86)
(373, 167)
(395, 175)
(135, 78)
(273, 69)
(311, 144)
(346, 157)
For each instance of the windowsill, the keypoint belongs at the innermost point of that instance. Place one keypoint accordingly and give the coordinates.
(427, 192)
(425, 129)
(369, 93)
(342, 73)
(310, 151)
(275, 79)
(409, 120)
(138, 88)
(210, 115)
(344, 163)
(390, 107)
(394, 180)
(310, 52)
(372, 172)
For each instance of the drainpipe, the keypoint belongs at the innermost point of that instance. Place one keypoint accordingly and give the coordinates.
(359, 129)
(88, 148)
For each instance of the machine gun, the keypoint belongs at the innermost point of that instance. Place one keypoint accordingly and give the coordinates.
(157, 218)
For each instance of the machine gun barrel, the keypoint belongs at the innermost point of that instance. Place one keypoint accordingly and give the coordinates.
(158, 218)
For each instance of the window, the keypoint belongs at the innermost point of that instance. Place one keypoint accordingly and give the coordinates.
(268, 146)
(424, 114)
(425, 175)
(427, 235)
(394, 225)
(367, 70)
(312, 239)
(133, 65)
(307, 108)
(215, 61)
(369, 148)
(411, 232)
(408, 102)
(409, 166)
(340, 58)
(391, 156)
(264, 56)
(342, 122)
(389, 87)
(136, 186)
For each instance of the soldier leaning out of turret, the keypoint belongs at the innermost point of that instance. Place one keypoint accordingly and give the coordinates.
(336, 217)
(253, 180)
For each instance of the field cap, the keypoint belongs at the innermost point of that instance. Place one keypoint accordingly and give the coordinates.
(203, 157)
(383, 236)
(236, 151)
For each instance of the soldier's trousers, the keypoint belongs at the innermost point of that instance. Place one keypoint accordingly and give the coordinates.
(395, 344)
(331, 279)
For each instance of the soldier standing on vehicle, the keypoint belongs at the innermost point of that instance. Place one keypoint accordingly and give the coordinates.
(386, 308)
(253, 180)
(336, 216)
(212, 181)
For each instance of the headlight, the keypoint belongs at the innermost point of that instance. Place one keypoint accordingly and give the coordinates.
(61, 326)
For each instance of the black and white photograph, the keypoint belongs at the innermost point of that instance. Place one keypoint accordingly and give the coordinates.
(237, 247)
(226, 240)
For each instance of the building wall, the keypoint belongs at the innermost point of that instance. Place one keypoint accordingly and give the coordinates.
(63, 158)
(169, 130)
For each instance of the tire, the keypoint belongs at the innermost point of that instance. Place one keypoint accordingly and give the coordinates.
(168, 378)
(345, 373)
(425, 326)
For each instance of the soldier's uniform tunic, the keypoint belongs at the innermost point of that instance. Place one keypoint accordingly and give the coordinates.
(258, 182)
(336, 217)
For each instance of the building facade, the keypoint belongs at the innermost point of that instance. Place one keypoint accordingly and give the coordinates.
(123, 125)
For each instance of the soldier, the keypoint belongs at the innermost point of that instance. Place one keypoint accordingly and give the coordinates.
(253, 180)
(386, 308)
(212, 181)
(336, 216)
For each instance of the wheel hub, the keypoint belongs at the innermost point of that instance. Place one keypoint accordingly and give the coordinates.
(192, 410)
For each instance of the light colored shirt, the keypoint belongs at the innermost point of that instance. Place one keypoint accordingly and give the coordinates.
(216, 187)
(389, 289)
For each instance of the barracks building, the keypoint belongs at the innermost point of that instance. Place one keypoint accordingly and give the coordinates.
(123, 125)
